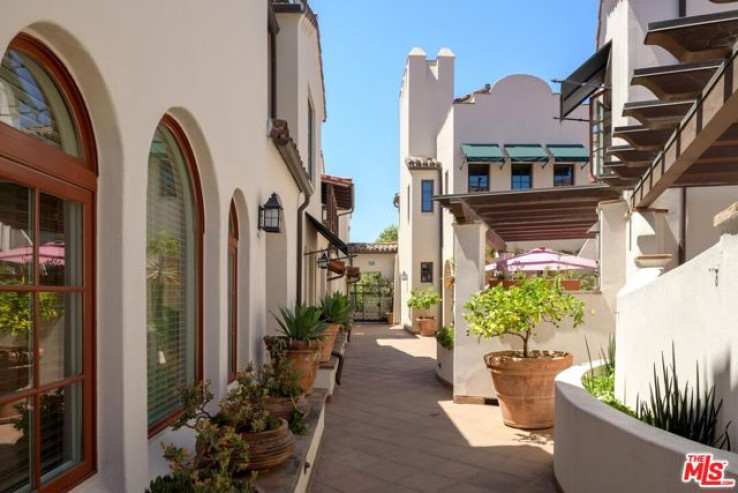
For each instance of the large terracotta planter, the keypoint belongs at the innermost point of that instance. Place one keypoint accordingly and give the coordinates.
(283, 407)
(427, 326)
(329, 339)
(269, 449)
(525, 386)
(304, 358)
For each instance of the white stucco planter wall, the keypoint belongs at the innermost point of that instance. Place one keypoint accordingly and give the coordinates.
(445, 364)
(601, 449)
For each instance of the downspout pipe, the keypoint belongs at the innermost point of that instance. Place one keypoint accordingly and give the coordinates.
(300, 244)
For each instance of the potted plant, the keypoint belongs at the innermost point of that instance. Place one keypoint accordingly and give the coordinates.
(337, 312)
(445, 353)
(524, 379)
(284, 397)
(221, 454)
(302, 329)
(245, 409)
(570, 282)
(425, 300)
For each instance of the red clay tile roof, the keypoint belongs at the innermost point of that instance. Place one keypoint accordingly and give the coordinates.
(388, 248)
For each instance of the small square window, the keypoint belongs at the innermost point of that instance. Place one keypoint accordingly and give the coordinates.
(522, 176)
(478, 177)
(563, 175)
(426, 271)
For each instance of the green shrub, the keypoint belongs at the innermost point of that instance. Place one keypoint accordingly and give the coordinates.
(302, 324)
(423, 299)
(445, 337)
(686, 411)
(517, 310)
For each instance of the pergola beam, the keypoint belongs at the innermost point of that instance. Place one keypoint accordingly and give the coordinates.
(714, 114)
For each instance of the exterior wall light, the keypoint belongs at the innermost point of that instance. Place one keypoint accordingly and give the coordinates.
(323, 261)
(403, 277)
(270, 215)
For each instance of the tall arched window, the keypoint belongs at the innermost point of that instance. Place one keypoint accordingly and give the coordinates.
(47, 187)
(232, 293)
(173, 273)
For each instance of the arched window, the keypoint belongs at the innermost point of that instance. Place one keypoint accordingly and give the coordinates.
(232, 293)
(47, 186)
(173, 273)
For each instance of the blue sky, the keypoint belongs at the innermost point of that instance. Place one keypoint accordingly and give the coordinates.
(365, 45)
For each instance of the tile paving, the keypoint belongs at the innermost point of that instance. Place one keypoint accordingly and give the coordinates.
(391, 427)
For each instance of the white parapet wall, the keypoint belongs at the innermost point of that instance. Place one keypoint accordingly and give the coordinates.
(693, 308)
(601, 449)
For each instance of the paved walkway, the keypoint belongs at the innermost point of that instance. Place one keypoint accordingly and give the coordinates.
(393, 428)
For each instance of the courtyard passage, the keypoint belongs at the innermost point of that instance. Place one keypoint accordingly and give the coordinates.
(391, 427)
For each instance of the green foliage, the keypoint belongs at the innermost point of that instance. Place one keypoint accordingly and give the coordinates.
(388, 234)
(337, 309)
(686, 411)
(600, 381)
(424, 299)
(220, 456)
(15, 310)
(245, 406)
(302, 324)
(683, 411)
(282, 381)
(497, 311)
(445, 337)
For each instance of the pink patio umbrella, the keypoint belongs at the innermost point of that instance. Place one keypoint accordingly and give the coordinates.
(49, 253)
(541, 259)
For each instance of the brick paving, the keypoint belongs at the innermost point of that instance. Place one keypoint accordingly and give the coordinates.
(391, 427)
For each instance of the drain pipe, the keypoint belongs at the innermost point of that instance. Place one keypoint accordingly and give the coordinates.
(300, 242)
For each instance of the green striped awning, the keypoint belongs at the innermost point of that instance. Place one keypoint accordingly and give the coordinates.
(483, 153)
(526, 153)
(569, 153)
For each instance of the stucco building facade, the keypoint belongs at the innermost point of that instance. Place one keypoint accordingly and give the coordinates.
(502, 137)
(150, 136)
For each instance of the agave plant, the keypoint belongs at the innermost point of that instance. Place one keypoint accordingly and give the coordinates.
(337, 309)
(686, 411)
(302, 324)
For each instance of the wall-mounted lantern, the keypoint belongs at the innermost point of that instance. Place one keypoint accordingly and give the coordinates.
(403, 277)
(323, 261)
(270, 215)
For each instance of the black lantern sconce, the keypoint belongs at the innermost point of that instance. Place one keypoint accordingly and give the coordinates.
(323, 261)
(270, 215)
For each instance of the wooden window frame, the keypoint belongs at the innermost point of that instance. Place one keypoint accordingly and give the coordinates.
(233, 237)
(34, 164)
(189, 156)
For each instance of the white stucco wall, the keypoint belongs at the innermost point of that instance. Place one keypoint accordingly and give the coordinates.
(384, 263)
(214, 84)
(693, 308)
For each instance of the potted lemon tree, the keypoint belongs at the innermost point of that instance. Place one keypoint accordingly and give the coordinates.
(524, 379)
(423, 301)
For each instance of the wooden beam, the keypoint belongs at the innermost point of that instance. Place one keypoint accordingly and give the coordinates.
(712, 116)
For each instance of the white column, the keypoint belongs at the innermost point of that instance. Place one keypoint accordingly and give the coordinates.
(647, 254)
(470, 375)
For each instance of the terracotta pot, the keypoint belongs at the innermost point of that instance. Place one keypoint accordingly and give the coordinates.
(283, 407)
(571, 284)
(269, 449)
(329, 339)
(427, 326)
(525, 386)
(304, 358)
